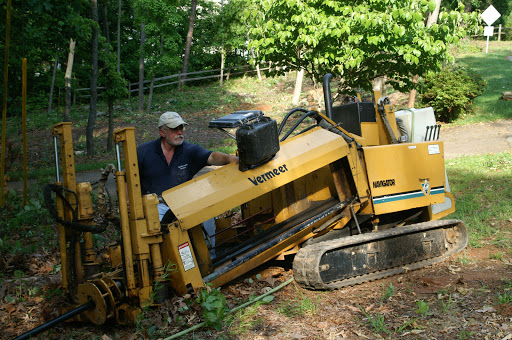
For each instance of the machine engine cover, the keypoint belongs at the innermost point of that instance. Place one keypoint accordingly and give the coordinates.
(257, 142)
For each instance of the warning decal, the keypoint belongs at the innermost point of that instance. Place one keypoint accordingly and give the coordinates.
(186, 256)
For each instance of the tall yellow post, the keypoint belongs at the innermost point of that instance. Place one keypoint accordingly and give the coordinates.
(24, 124)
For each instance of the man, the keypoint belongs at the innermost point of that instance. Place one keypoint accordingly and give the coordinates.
(170, 161)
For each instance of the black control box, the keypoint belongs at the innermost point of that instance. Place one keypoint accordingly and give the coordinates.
(257, 142)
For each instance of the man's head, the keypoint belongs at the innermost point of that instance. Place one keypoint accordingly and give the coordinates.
(171, 127)
(171, 120)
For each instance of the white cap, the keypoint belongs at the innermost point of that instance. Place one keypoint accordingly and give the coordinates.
(171, 119)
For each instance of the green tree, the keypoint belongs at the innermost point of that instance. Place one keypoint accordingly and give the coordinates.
(162, 45)
(360, 41)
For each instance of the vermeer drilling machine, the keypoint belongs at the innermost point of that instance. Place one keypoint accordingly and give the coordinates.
(352, 196)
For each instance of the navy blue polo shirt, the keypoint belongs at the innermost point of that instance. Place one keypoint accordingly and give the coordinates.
(156, 176)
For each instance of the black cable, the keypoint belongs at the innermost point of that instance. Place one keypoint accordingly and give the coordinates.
(57, 189)
(306, 115)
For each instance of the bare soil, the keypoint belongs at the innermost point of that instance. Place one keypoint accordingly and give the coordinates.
(467, 296)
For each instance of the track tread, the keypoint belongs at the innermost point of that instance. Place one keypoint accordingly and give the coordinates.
(306, 262)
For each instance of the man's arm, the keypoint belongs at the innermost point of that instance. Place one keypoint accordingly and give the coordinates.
(220, 158)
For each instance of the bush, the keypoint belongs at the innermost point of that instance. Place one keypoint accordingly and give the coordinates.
(451, 91)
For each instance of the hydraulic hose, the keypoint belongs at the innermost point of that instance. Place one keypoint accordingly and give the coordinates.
(248, 303)
(56, 321)
(47, 194)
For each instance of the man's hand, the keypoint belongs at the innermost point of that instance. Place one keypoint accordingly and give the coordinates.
(220, 158)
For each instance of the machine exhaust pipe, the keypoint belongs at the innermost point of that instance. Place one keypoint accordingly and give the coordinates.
(327, 95)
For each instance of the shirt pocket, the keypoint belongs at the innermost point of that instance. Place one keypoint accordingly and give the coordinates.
(182, 174)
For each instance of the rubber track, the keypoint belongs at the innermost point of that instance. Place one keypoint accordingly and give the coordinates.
(307, 260)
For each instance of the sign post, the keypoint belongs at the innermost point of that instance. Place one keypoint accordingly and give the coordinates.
(490, 15)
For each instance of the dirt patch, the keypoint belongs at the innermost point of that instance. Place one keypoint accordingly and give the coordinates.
(476, 139)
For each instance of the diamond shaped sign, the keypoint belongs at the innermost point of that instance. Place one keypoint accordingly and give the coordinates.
(490, 15)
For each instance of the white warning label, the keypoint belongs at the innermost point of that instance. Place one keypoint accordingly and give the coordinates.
(186, 256)
(433, 149)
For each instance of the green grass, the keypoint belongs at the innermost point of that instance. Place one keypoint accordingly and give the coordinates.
(481, 186)
(497, 70)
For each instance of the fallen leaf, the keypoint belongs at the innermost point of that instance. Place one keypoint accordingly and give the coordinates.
(9, 307)
(352, 308)
(414, 331)
(486, 309)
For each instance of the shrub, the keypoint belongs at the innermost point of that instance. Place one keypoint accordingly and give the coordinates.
(451, 91)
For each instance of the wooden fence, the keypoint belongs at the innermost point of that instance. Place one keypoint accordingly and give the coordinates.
(501, 31)
(191, 76)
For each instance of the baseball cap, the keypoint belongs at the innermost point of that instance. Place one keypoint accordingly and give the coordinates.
(171, 119)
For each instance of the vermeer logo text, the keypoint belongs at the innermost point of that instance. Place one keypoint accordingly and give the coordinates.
(268, 175)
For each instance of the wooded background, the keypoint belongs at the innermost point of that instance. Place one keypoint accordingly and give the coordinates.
(109, 44)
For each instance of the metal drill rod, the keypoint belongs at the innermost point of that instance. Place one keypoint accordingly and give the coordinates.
(118, 155)
(56, 158)
(56, 321)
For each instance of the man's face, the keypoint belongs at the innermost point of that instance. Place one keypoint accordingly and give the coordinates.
(174, 136)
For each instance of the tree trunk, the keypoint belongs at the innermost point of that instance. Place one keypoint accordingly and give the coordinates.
(298, 87)
(94, 81)
(141, 68)
(110, 99)
(50, 101)
(379, 84)
(110, 136)
(67, 80)
(222, 59)
(432, 19)
(119, 39)
(412, 94)
(150, 96)
(188, 45)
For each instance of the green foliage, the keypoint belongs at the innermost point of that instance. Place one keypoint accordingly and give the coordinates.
(495, 69)
(377, 321)
(484, 207)
(214, 305)
(25, 228)
(159, 285)
(299, 306)
(356, 41)
(423, 308)
(388, 292)
(451, 91)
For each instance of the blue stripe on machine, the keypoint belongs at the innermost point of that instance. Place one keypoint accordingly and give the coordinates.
(406, 195)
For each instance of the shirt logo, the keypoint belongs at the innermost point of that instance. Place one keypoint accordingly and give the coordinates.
(183, 167)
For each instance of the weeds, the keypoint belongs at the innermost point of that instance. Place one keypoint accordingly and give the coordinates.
(448, 305)
(388, 292)
(464, 334)
(298, 307)
(423, 308)
(377, 322)
(214, 305)
(464, 259)
(247, 319)
(496, 256)
(140, 323)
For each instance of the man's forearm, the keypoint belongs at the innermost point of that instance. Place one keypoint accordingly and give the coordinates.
(220, 158)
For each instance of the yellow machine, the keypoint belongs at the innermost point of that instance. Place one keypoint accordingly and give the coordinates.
(350, 196)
